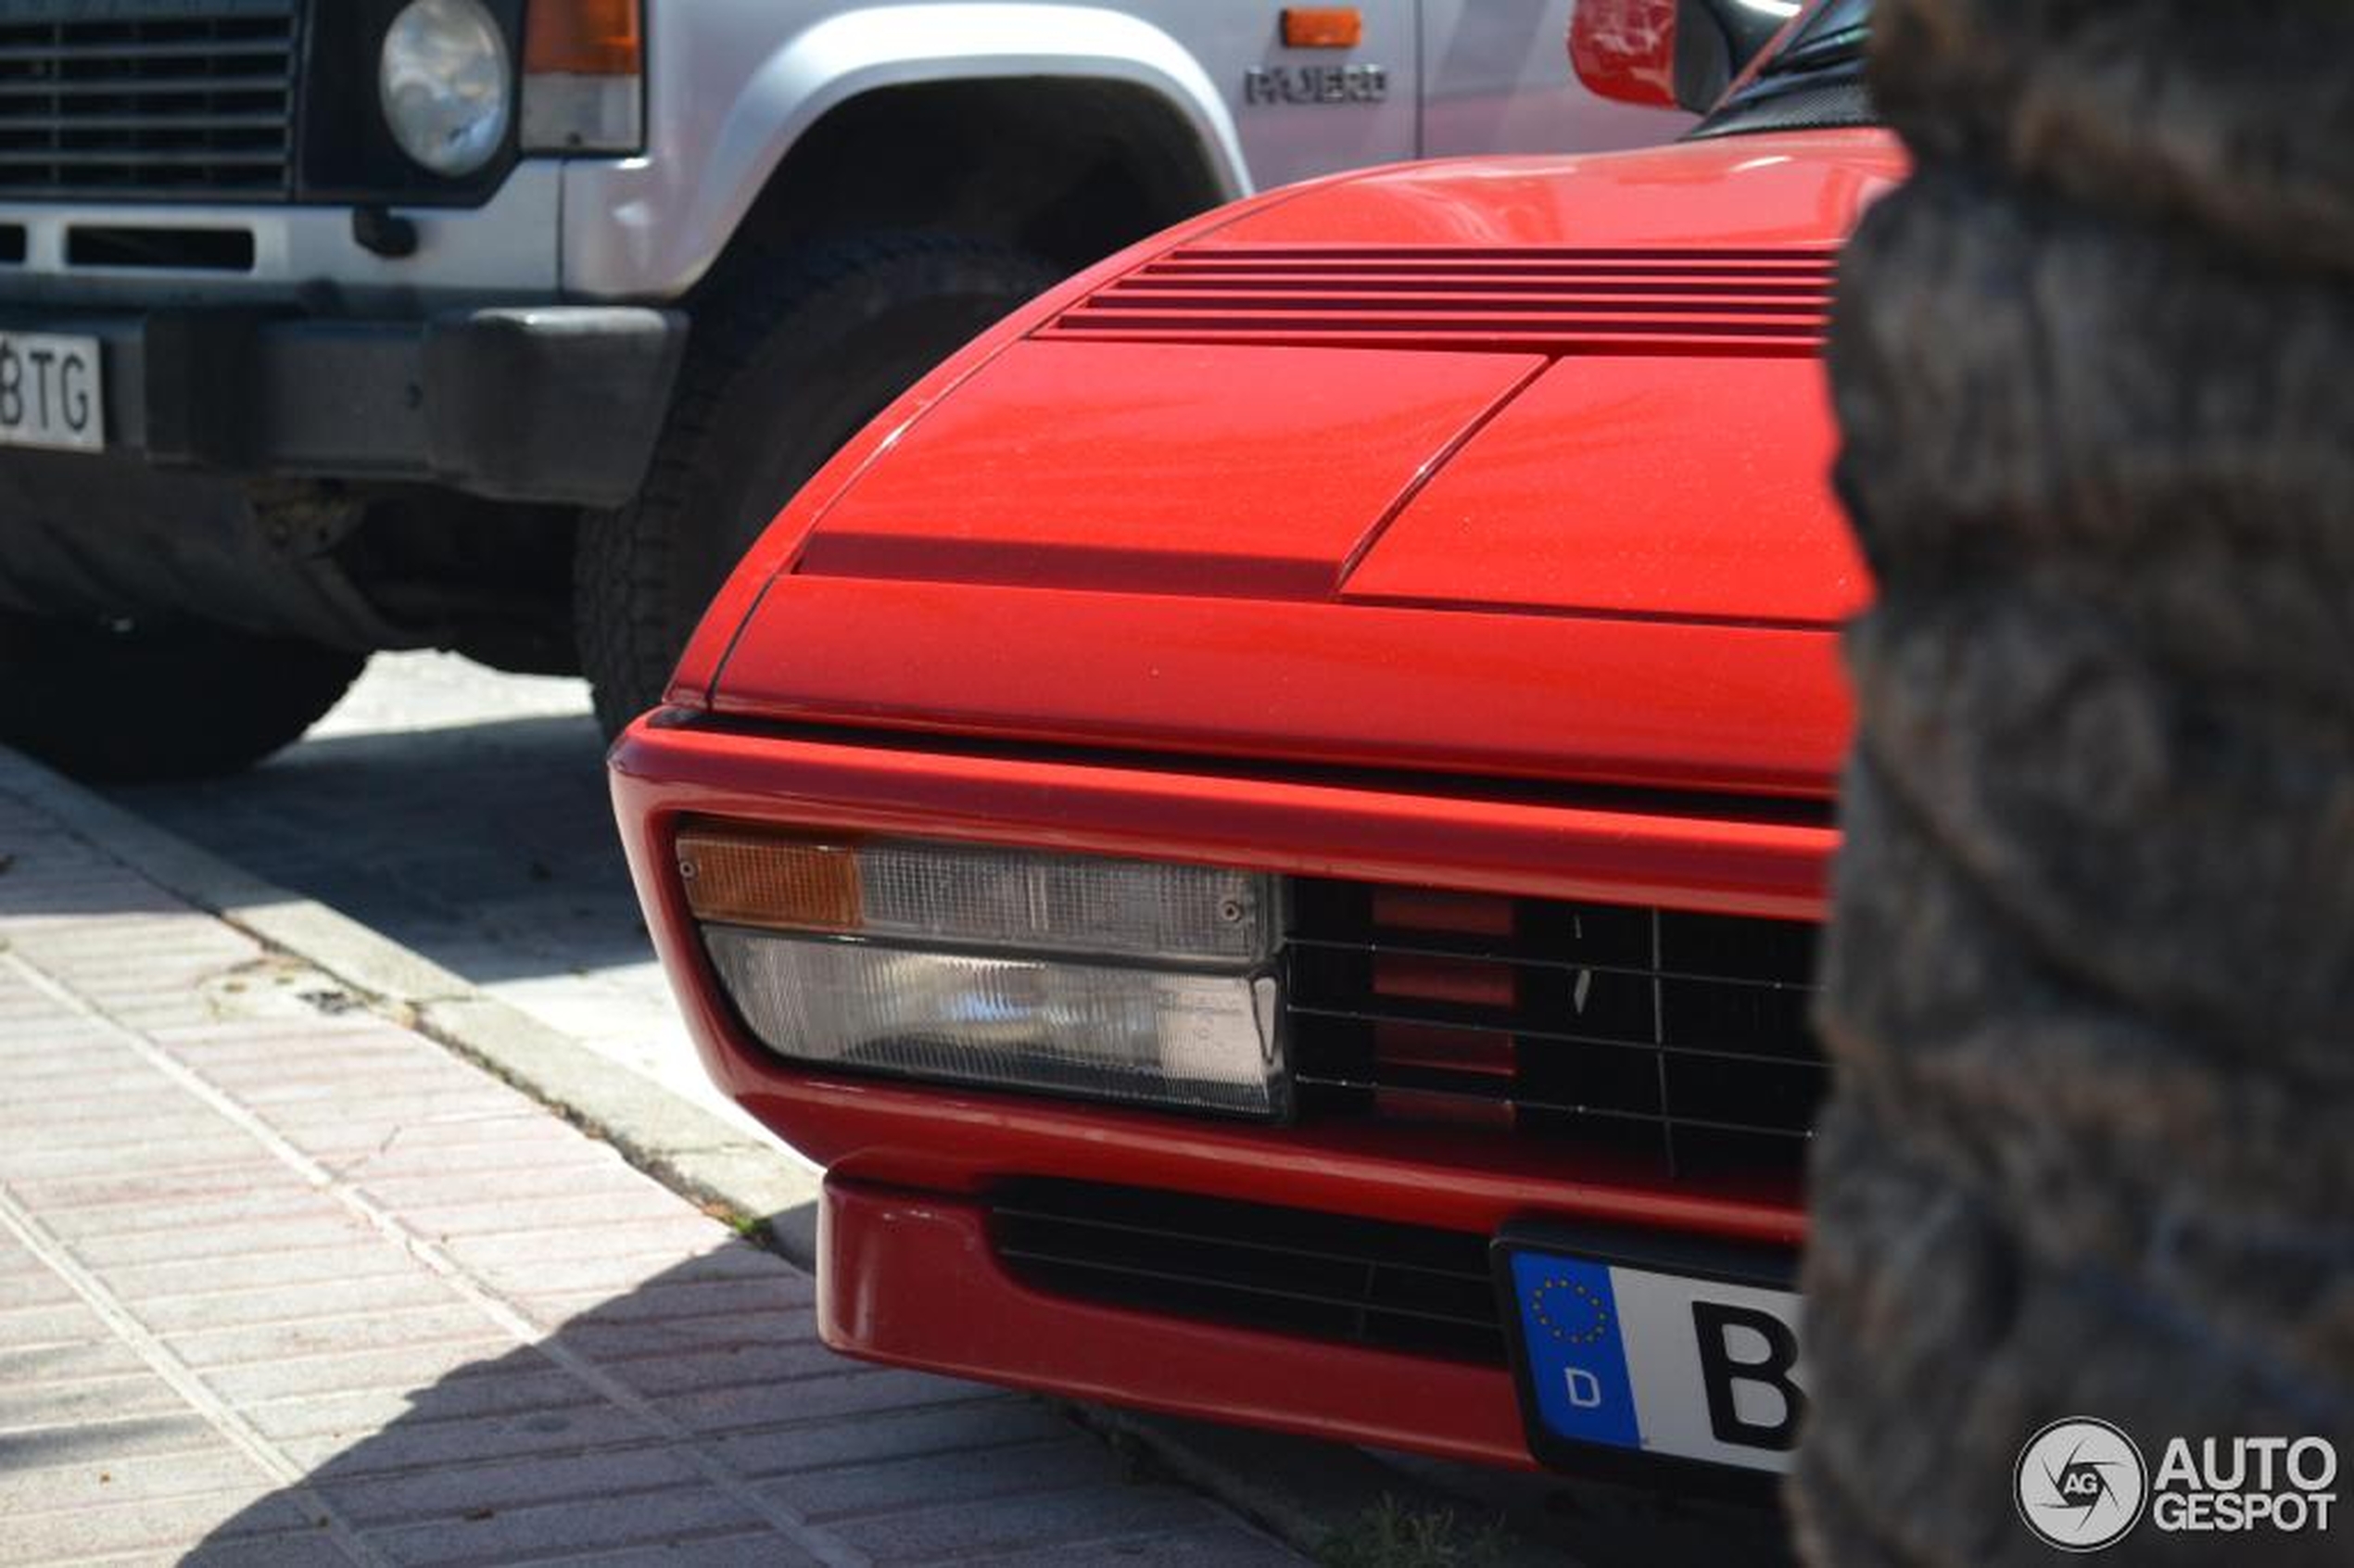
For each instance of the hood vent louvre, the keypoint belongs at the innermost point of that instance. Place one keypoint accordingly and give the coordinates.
(1496, 298)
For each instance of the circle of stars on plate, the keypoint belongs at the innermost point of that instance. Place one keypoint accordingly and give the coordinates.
(1585, 1310)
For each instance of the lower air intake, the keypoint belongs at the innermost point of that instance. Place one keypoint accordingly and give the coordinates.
(1288, 1270)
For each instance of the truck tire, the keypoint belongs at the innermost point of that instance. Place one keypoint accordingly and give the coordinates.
(791, 355)
(132, 703)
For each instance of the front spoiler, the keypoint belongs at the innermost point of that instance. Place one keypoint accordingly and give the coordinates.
(910, 1279)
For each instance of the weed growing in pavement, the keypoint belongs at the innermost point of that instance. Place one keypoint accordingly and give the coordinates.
(735, 1219)
(1390, 1535)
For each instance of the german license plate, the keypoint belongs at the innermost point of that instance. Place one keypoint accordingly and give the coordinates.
(52, 392)
(1682, 1362)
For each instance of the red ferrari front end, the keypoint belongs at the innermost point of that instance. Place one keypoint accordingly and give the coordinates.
(1265, 823)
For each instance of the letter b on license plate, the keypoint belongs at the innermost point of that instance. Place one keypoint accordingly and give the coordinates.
(52, 392)
(1702, 1365)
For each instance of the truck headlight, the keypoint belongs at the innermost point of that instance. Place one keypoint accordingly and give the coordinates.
(446, 84)
(1115, 980)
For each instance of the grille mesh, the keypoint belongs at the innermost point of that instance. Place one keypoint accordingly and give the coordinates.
(1517, 300)
(171, 100)
(1288, 1270)
(1670, 1037)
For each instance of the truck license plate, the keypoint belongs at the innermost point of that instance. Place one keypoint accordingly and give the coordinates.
(1679, 1365)
(52, 392)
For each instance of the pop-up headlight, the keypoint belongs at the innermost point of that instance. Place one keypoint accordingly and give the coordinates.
(1119, 979)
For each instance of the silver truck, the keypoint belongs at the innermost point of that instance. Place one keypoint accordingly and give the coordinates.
(503, 325)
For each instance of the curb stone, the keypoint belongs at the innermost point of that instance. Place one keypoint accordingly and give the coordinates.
(685, 1147)
(1303, 1491)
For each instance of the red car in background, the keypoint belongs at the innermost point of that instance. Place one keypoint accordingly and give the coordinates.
(1265, 824)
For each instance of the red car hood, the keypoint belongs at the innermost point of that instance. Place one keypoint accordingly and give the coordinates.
(1511, 466)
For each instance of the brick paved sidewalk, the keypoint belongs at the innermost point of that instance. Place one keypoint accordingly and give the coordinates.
(462, 812)
(281, 1283)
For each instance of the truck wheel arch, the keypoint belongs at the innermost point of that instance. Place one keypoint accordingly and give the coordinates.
(651, 228)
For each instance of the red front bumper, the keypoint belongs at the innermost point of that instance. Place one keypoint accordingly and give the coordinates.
(908, 1274)
(911, 1280)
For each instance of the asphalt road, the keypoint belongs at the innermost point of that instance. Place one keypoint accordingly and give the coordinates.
(463, 813)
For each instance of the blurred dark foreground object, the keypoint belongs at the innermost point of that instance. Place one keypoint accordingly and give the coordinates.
(2092, 979)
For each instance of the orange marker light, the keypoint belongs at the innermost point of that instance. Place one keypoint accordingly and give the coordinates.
(782, 884)
(1322, 27)
(583, 38)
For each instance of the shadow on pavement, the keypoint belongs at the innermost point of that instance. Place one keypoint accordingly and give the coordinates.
(696, 1420)
(1599, 1524)
(488, 847)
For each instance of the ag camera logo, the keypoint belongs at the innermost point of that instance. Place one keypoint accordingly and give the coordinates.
(2081, 1485)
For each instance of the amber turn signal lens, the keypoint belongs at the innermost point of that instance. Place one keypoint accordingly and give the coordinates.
(1322, 27)
(583, 38)
(789, 884)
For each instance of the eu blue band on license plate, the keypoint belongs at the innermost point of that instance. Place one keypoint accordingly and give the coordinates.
(1685, 1360)
(1576, 1351)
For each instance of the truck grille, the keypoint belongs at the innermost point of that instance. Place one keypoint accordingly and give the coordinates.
(1670, 1038)
(1287, 1271)
(182, 100)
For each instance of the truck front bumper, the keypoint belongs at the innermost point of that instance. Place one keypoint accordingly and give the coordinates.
(556, 403)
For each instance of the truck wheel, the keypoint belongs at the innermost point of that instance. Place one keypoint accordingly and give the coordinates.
(791, 355)
(125, 703)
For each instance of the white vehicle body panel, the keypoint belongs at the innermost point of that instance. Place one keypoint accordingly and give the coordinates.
(503, 252)
(1495, 78)
(729, 98)
(725, 119)
(733, 85)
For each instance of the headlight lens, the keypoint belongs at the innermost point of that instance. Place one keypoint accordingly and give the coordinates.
(446, 84)
(1184, 1041)
(1117, 980)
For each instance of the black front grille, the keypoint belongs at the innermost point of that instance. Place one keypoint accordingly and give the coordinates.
(1288, 1270)
(1668, 1037)
(160, 99)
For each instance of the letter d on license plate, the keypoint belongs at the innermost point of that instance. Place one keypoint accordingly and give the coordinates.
(52, 392)
(1698, 1365)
